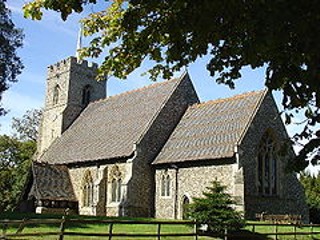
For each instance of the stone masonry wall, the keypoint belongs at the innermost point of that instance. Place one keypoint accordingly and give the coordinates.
(192, 181)
(290, 199)
(51, 124)
(141, 189)
(102, 178)
(71, 77)
(81, 75)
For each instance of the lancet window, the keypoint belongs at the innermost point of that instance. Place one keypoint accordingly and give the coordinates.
(87, 190)
(267, 166)
(165, 185)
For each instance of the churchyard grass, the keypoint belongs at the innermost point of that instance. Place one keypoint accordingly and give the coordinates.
(95, 228)
(133, 228)
(261, 229)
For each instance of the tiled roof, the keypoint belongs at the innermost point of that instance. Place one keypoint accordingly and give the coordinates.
(51, 182)
(211, 130)
(109, 128)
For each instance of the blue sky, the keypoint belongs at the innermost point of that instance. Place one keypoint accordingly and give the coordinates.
(51, 40)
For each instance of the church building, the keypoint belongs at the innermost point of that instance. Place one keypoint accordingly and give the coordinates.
(148, 152)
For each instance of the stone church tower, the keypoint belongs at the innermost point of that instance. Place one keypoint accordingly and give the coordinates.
(71, 85)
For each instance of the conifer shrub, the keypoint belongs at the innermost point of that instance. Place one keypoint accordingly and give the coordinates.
(216, 210)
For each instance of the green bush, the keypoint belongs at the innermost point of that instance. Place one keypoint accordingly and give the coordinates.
(215, 209)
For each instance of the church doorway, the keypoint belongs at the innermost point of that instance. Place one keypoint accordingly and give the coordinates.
(185, 206)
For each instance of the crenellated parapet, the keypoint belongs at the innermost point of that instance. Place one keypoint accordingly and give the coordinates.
(69, 64)
(71, 86)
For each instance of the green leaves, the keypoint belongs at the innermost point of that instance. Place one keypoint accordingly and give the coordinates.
(65, 7)
(280, 35)
(16, 157)
(311, 186)
(215, 209)
(15, 163)
(33, 9)
(10, 40)
(27, 126)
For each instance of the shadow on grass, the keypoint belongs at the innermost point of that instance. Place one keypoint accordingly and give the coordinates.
(243, 235)
(247, 235)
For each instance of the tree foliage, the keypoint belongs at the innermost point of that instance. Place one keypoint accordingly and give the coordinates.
(10, 41)
(311, 186)
(16, 154)
(15, 163)
(215, 209)
(27, 126)
(280, 35)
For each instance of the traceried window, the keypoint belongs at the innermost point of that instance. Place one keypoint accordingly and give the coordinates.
(86, 95)
(165, 185)
(87, 190)
(56, 94)
(116, 190)
(116, 182)
(267, 166)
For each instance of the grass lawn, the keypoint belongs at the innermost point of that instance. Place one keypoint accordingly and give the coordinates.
(96, 228)
(133, 228)
(288, 229)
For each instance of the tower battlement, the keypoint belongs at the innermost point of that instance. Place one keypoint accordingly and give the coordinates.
(70, 62)
(71, 86)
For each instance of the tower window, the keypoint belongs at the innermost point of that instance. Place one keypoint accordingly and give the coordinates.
(267, 166)
(56, 95)
(86, 95)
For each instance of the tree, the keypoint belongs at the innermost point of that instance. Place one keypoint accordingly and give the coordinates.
(15, 163)
(311, 186)
(16, 153)
(27, 126)
(280, 35)
(10, 40)
(215, 209)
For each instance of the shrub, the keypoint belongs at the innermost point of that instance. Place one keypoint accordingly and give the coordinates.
(215, 209)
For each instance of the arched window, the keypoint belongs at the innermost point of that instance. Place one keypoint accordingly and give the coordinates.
(116, 190)
(165, 185)
(119, 190)
(116, 182)
(87, 189)
(267, 166)
(86, 95)
(56, 95)
(185, 207)
(168, 184)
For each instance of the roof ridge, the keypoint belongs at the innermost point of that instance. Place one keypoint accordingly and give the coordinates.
(177, 83)
(211, 142)
(234, 97)
(156, 84)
